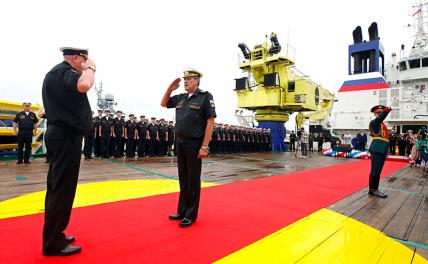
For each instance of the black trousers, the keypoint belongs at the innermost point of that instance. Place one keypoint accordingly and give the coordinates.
(189, 175)
(24, 138)
(130, 146)
(292, 145)
(117, 149)
(97, 146)
(89, 145)
(392, 149)
(64, 150)
(141, 146)
(161, 148)
(377, 162)
(105, 146)
(152, 147)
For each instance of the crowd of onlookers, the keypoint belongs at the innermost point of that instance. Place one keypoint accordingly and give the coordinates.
(411, 143)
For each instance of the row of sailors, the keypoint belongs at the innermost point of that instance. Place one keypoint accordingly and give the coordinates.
(239, 139)
(109, 136)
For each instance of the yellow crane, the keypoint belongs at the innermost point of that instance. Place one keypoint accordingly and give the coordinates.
(274, 88)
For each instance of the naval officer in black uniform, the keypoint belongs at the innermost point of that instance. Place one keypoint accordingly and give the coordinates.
(195, 113)
(378, 148)
(26, 121)
(67, 111)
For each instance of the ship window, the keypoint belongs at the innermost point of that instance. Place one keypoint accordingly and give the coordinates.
(395, 114)
(403, 66)
(291, 86)
(382, 101)
(424, 62)
(414, 63)
(395, 92)
(395, 103)
(383, 93)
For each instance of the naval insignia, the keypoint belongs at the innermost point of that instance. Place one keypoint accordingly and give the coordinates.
(212, 103)
(195, 106)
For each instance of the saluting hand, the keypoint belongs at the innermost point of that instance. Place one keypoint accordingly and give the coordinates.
(89, 63)
(175, 84)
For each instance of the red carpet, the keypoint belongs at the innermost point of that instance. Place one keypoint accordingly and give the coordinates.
(231, 217)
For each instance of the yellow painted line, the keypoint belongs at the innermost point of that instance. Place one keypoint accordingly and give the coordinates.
(92, 194)
(325, 237)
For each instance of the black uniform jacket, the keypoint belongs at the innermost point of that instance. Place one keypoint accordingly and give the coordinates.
(192, 113)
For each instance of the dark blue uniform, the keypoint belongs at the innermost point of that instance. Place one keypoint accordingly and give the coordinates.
(191, 120)
(25, 124)
(142, 135)
(130, 134)
(106, 127)
(97, 145)
(67, 113)
(153, 134)
(119, 126)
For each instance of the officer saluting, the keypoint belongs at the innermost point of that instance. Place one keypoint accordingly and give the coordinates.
(378, 148)
(195, 113)
(67, 112)
(27, 127)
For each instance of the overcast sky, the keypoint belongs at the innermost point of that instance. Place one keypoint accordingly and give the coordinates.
(141, 46)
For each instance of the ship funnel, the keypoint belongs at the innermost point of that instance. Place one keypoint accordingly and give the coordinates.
(373, 33)
(358, 35)
(366, 56)
(245, 50)
(275, 48)
(358, 38)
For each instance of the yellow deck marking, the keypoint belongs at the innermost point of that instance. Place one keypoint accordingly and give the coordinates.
(325, 237)
(92, 194)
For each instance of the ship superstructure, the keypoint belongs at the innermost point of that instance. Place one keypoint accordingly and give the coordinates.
(401, 83)
(407, 77)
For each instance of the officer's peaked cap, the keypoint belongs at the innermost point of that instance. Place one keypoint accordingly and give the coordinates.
(74, 51)
(377, 108)
(190, 72)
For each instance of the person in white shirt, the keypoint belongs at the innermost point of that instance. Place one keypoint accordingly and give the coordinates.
(304, 140)
(347, 138)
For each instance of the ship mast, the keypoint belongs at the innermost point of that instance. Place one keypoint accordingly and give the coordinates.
(421, 38)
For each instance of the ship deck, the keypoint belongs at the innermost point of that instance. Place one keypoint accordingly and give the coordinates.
(402, 216)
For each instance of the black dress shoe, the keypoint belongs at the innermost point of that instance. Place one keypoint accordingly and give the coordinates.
(19, 162)
(27, 162)
(175, 217)
(67, 251)
(70, 239)
(186, 222)
(377, 193)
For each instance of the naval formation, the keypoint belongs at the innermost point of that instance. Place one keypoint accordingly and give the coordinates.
(191, 138)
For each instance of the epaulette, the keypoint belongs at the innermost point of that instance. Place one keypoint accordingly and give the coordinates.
(203, 92)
